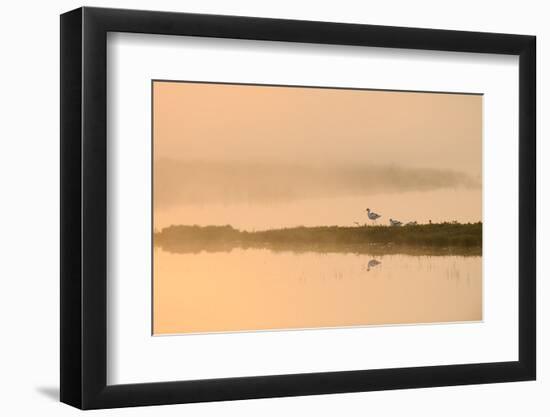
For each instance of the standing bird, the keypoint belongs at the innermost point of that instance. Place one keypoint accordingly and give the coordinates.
(372, 215)
(395, 222)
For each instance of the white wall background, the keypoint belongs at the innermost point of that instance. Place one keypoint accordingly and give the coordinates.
(29, 236)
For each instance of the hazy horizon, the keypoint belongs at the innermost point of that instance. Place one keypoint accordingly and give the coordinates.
(260, 157)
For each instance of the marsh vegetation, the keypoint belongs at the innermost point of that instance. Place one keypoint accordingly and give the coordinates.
(434, 239)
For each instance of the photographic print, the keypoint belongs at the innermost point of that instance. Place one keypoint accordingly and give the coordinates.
(298, 207)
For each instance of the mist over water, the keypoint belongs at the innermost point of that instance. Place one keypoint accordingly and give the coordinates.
(255, 196)
(181, 182)
(448, 205)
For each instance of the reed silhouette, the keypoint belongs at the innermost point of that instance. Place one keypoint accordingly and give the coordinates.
(429, 239)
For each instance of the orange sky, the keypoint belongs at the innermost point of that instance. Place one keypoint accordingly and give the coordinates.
(263, 156)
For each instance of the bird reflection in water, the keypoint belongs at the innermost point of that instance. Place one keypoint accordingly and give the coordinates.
(372, 263)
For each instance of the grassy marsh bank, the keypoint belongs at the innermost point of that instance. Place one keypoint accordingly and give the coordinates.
(425, 239)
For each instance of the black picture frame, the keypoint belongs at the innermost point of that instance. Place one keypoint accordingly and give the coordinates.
(84, 207)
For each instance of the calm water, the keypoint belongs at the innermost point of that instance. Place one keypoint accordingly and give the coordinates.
(258, 289)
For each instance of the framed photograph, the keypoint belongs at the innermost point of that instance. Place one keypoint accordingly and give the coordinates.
(258, 208)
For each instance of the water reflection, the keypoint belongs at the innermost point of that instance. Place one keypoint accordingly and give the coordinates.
(258, 289)
(372, 263)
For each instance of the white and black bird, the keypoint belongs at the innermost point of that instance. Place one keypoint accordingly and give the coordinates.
(395, 222)
(413, 223)
(372, 215)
